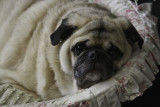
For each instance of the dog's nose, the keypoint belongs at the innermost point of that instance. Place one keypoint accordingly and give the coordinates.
(92, 55)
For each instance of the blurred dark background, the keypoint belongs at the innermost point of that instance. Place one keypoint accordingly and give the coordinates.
(151, 97)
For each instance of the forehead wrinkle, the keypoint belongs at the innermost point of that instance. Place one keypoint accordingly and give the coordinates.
(78, 38)
(112, 38)
(91, 33)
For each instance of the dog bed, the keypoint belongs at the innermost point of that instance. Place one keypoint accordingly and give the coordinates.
(130, 82)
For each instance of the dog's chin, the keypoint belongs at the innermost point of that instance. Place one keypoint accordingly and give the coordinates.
(89, 79)
(93, 77)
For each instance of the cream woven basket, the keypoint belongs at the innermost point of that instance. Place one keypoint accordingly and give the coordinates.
(130, 82)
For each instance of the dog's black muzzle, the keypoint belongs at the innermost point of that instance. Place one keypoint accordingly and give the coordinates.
(93, 66)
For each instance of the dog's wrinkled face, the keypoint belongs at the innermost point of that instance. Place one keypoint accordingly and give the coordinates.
(94, 46)
(94, 63)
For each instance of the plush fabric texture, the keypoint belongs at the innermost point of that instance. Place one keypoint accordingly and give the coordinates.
(131, 81)
(11, 95)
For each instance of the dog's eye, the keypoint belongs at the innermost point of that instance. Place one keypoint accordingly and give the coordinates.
(78, 48)
(114, 52)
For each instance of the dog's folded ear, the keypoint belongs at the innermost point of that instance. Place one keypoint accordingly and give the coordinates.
(133, 36)
(62, 33)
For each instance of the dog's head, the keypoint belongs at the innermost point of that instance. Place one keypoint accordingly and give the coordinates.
(94, 45)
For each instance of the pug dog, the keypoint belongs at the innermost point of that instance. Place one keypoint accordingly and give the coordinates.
(56, 47)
